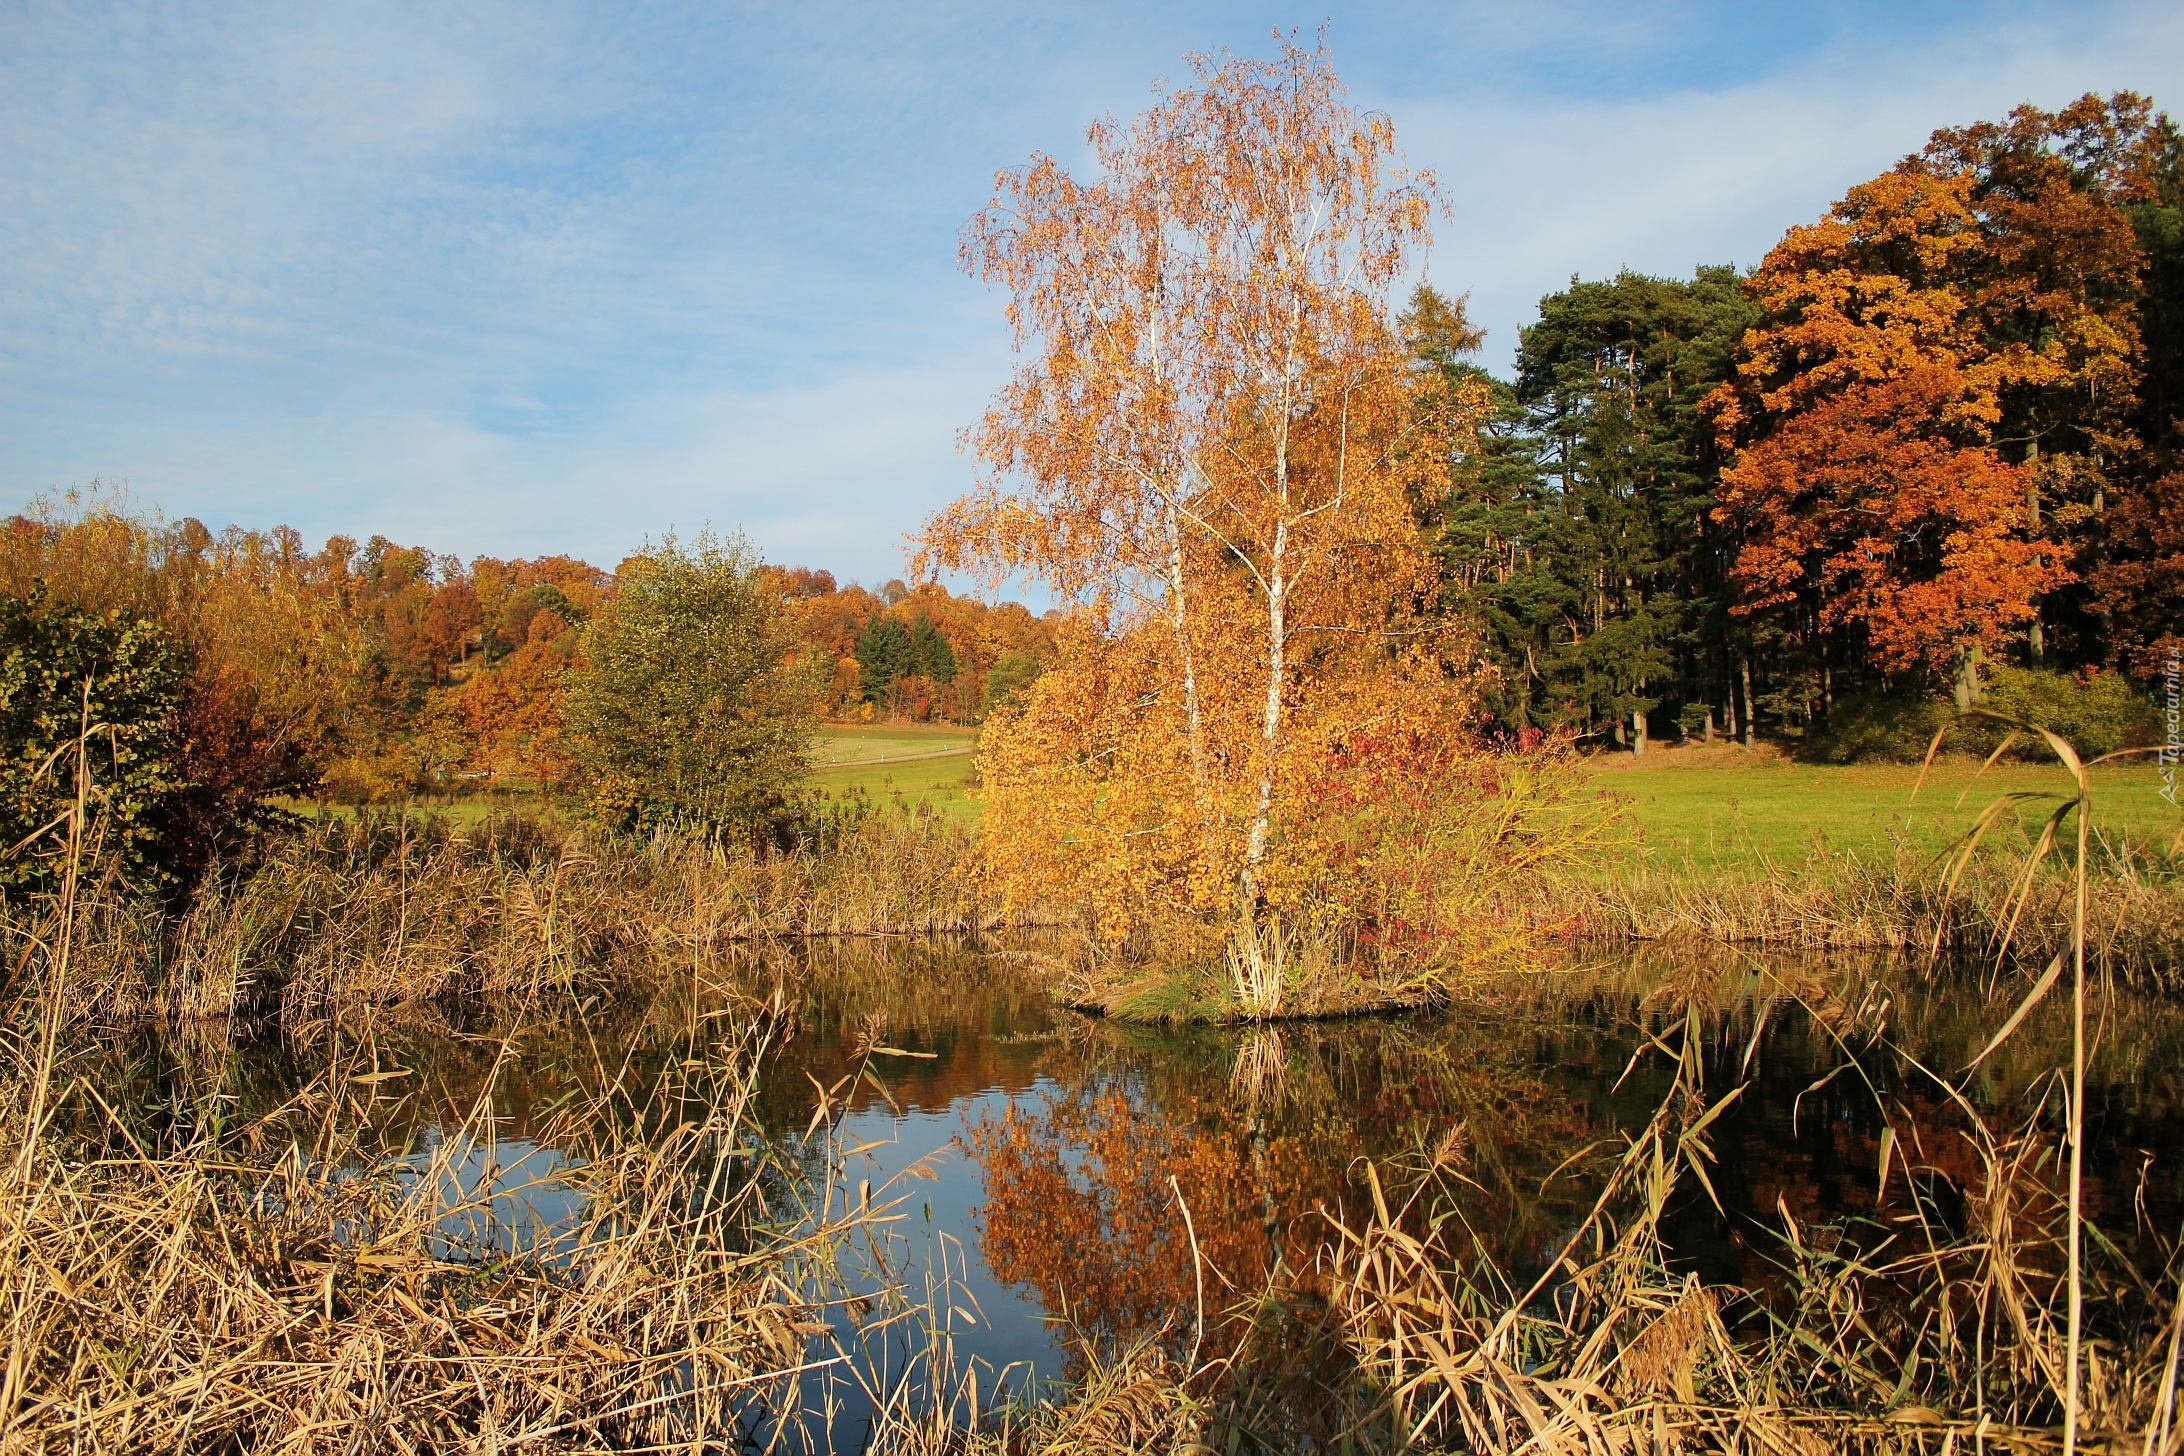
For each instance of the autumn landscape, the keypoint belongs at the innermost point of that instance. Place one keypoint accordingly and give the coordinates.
(1341, 891)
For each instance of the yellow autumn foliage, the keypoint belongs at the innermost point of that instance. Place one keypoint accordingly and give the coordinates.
(1217, 445)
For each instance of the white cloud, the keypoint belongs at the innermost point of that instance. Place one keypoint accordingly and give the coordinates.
(832, 474)
(535, 278)
(1663, 183)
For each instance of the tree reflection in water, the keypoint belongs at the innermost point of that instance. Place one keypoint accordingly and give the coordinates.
(1262, 1133)
(1081, 1134)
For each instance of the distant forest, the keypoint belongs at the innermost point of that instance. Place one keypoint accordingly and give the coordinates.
(374, 671)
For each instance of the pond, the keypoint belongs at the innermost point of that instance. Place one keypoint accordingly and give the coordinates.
(1056, 1185)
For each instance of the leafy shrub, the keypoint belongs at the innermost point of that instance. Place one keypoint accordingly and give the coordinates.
(690, 705)
(1881, 727)
(2098, 714)
(282, 678)
(114, 684)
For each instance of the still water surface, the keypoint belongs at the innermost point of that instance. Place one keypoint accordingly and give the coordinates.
(1041, 1162)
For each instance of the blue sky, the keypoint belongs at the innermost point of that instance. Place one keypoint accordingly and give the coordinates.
(530, 277)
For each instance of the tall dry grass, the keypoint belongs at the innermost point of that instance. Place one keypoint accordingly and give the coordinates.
(281, 1284)
(179, 1279)
(1978, 1309)
(1945, 1326)
(1904, 902)
(374, 910)
(277, 1286)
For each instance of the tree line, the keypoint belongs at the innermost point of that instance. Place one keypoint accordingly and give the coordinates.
(1930, 443)
(214, 676)
(1312, 556)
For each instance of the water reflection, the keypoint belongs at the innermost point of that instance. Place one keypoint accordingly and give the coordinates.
(1260, 1135)
(506, 1198)
(1041, 1165)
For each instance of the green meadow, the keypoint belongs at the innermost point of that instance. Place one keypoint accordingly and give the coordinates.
(1724, 809)
(1708, 810)
(923, 764)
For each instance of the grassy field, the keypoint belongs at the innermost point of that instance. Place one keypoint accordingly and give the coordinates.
(924, 763)
(1705, 809)
(1708, 809)
(1719, 808)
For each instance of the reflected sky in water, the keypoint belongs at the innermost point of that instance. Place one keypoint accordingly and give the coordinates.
(1039, 1163)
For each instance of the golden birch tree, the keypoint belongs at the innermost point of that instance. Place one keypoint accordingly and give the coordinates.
(1214, 442)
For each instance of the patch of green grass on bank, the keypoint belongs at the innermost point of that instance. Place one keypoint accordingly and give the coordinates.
(1723, 809)
(466, 810)
(860, 743)
(927, 764)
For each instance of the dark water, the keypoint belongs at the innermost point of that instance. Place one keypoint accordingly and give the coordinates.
(1041, 1163)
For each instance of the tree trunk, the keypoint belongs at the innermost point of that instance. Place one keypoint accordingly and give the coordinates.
(1744, 675)
(1186, 648)
(1638, 731)
(1709, 722)
(1966, 688)
(1262, 814)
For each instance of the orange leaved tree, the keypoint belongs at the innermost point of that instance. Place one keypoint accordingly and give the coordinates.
(1874, 509)
(1908, 540)
(1214, 443)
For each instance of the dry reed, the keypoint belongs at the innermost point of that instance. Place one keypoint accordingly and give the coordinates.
(370, 911)
(2134, 913)
(1985, 1314)
(196, 1284)
(277, 1287)
(282, 1285)
(1914, 1333)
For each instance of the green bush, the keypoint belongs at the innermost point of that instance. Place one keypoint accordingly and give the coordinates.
(691, 704)
(114, 685)
(2097, 714)
(1880, 727)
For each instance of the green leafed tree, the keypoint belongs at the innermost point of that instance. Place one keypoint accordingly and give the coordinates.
(1577, 536)
(115, 685)
(1491, 529)
(930, 655)
(692, 704)
(883, 655)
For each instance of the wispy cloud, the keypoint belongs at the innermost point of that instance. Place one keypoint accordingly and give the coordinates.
(1715, 173)
(526, 278)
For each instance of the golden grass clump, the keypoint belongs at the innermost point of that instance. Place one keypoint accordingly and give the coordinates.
(280, 1285)
(367, 911)
(1981, 1311)
(1932, 1329)
(2135, 910)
